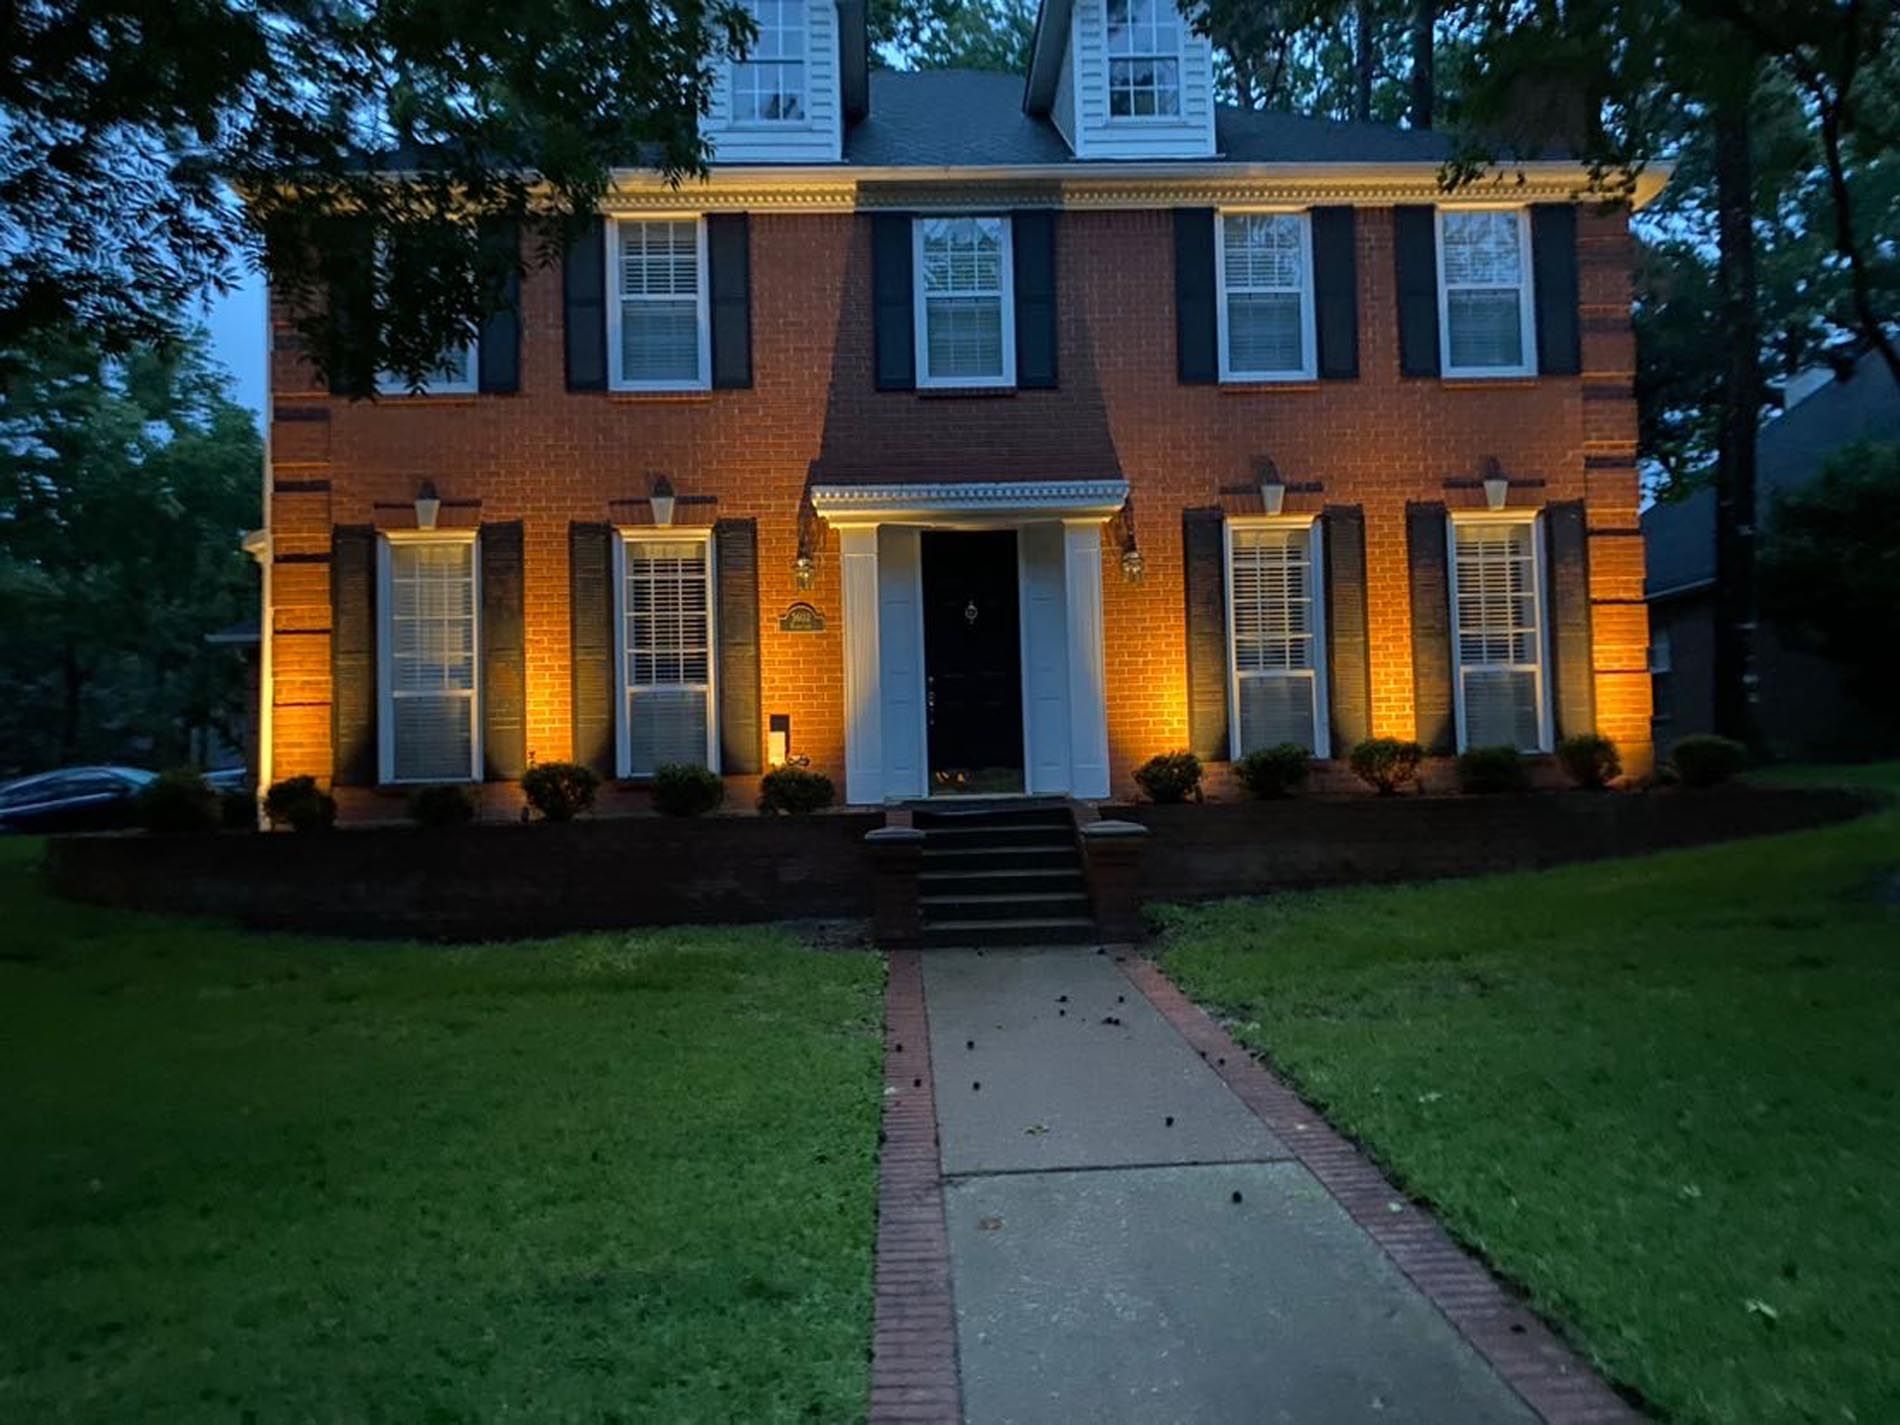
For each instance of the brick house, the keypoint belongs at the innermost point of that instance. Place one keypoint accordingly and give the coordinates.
(968, 432)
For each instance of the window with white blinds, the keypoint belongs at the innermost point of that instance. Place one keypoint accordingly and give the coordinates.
(658, 315)
(1144, 59)
(427, 661)
(1484, 292)
(457, 375)
(768, 85)
(1276, 626)
(966, 323)
(1497, 610)
(666, 621)
(1265, 264)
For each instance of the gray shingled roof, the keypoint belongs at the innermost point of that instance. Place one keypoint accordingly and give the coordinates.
(958, 117)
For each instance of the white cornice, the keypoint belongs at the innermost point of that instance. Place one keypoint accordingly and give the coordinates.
(976, 502)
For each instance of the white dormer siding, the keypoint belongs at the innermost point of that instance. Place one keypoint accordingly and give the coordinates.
(816, 135)
(1098, 126)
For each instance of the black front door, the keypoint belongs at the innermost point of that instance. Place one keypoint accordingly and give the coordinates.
(972, 661)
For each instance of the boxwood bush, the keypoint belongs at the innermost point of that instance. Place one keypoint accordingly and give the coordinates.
(178, 803)
(1269, 772)
(1386, 763)
(560, 791)
(683, 789)
(1705, 760)
(300, 804)
(1170, 777)
(797, 790)
(1590, 760)
(1486, 771)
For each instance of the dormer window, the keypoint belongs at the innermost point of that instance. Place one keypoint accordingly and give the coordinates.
(1144, 59)
(768, 86)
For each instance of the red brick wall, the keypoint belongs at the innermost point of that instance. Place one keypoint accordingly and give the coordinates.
(547, 457)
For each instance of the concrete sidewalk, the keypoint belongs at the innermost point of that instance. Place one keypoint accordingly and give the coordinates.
(1129, 1242)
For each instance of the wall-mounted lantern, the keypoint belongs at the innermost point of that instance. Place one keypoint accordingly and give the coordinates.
(1133, 565)
(1497, 489)
(428, 505)
(662, 502)
(805, 564)
(1273, 496)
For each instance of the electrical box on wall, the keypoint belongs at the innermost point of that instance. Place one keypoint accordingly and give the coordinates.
(778, 740)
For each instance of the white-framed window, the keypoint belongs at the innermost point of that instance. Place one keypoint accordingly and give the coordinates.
(965, 301)
(1144, 59)
(1486, 315)
(459, 373)
(663, 608)
(658, 330)
(1276, 635)
(1498, 599)
(768, 85)
(1659, 651)
(1264, 265)
(428, 663)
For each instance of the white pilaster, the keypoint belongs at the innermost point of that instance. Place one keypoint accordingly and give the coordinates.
(1088, 680)
(863, 742)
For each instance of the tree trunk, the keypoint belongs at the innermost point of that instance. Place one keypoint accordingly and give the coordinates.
(1362, 60)
(1872, 327)
(1424, 20)
(1735, 507)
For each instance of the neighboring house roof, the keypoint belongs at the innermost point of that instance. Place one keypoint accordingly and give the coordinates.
(1679, 538)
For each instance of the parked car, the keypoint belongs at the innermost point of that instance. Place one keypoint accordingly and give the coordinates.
(73, 799)
(229, 779)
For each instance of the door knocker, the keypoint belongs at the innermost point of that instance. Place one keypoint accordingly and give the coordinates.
(969, 612)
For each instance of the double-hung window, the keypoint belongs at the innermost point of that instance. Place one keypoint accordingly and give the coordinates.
(665, 617)
(657, 324)
(1265, 312)
(768, 85)
(965, 302)
(1144, 59)
(429, 727)
(458, 373)
(1497, 605)
(1276, 626)
(1485, 310)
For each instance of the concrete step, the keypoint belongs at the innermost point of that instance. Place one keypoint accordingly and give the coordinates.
(1022, 833)
(1012, 906)
(1031, 930)
(992, 814)
(1002, 880)
(962, 857)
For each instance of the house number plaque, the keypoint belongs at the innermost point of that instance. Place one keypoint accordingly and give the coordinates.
(801, 618)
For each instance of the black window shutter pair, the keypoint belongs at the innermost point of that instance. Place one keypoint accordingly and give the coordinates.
(1197, 294)
(729, 303)
(595, 640)
(1553, 282)
(893, 309)
(1209, 664)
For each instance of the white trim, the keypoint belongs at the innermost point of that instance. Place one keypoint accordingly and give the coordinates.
(974, 505)
(1088, 676)
(623, 731)
(385, 653)
(614, 299)
(863, 671)
(1309, 335)
(1316, 589)
(920, 307)
(1526, 297)
(1546, 717)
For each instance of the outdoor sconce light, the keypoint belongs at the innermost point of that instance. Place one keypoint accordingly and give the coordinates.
(1496, 488)
(1133, 566)
(804, 571)
(428, 506)
(662, 502)
(1272, 496)
(805, 565)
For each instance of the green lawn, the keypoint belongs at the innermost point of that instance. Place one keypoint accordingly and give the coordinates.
(1663, 1094)
(260, 1178)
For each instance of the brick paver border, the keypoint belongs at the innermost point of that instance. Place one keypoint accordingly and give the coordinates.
(1551, 1378)
(914, 1332)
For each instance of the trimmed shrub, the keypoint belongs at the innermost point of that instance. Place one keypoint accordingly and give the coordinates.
(178, 804)
(560, 791)
(685, 789)
(1590, 760)
(1386, 763)
(1486, 771)
(1170, 777)
(237, 811)
(796, 790)
(441, 806)
(1705, 760)
(1269, 772)
(300, 804)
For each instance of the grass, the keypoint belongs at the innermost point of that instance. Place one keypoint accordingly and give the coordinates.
(1662, 1094)
(607, 1177)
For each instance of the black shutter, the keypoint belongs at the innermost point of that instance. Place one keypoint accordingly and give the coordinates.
(1203, 534)
(353, 655)
(1425, 539)
(1195, 329)
(590, 567)
(1415, 253)
(729, 258)
(736, 559)
(352, 296)
(1554, 279)
(1336, 292)
(499, 354)
(504, 655)
(893, 316)
(584, 297)
(1574, 679)
(1033, 240)
(1349, 644)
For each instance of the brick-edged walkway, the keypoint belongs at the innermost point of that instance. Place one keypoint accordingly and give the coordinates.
(914, 1334)
(1546, 1373)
